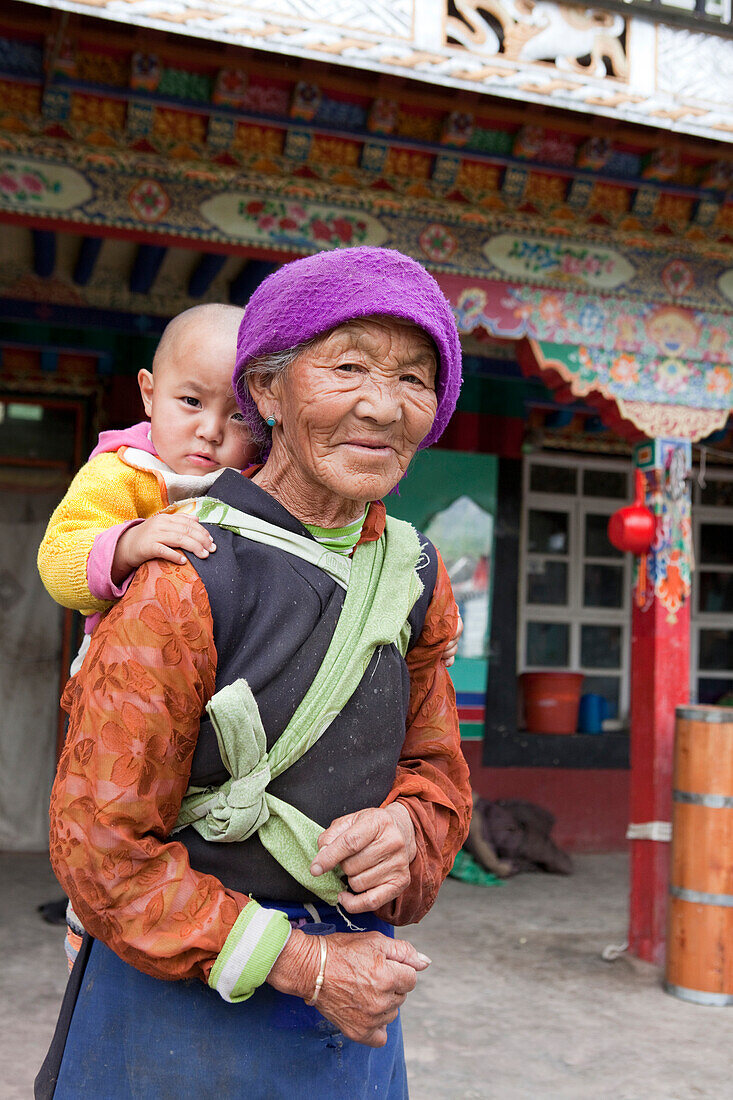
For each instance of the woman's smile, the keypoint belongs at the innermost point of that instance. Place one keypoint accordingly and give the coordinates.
(376, 447)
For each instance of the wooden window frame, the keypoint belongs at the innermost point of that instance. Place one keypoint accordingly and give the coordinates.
(721, 515)
(573, 612)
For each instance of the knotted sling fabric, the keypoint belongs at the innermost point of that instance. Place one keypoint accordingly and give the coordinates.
(243, 806)
(382, 589)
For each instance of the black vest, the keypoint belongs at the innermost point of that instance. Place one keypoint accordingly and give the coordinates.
(274, 616)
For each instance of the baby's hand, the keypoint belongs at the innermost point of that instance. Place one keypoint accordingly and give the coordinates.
(161, 536)
(449, 653)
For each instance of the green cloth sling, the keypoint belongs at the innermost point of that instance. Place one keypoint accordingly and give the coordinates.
(382, 589)
(210, 510)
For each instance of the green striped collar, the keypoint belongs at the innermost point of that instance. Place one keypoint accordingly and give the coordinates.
(341, 540)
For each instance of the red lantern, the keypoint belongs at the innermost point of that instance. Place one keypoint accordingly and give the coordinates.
(633, 527)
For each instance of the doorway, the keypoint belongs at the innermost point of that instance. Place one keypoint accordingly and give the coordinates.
(42, 442)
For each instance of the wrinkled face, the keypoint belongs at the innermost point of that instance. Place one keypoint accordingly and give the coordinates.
(196, 426)
(353, 409)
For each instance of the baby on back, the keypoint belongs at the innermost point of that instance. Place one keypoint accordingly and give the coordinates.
(111, 518)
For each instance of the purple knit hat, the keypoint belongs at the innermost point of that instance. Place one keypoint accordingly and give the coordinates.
(308, 297)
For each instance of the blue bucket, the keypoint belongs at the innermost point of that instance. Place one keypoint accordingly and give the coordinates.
(593, 711)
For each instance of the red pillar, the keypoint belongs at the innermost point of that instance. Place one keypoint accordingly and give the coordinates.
(660, 663)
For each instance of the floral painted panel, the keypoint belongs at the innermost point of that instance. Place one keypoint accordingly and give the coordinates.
(574, 262)
(31, 186)
(253, 218)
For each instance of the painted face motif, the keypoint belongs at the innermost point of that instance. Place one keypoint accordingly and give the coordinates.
(672, 331)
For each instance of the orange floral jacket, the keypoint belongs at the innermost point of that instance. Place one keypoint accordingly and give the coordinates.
(134, 710)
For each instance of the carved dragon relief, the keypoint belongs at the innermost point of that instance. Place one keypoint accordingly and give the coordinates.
(574, 39)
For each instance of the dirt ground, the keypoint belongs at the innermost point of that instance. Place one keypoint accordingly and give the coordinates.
(518, 1004)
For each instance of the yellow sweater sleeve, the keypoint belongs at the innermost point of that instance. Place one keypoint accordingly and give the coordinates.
(104, 493)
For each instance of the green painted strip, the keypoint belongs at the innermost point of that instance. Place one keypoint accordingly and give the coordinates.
(504, 396)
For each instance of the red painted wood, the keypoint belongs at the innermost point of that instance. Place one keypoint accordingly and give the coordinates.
(660, 663)
(591, 807)
(485, 433)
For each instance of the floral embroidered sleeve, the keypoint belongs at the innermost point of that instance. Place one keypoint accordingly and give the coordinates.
(134, 714)
(432, 776)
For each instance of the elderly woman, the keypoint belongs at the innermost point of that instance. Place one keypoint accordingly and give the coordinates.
(262, 774)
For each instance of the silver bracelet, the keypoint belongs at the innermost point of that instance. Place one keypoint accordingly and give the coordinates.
(322, 972)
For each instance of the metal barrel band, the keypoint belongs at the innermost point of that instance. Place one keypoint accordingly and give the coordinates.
(712, 801)
(698, 897)
(699, 996)
(715, 715)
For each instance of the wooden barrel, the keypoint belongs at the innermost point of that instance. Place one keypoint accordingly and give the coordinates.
(700, 935)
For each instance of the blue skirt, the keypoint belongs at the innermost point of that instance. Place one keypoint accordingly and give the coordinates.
(133, 1037)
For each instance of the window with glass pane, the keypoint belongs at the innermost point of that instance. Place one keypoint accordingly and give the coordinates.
(716, 544)
(716, 649)
(716, 592)
(548, 532)
(603, 586)
(596, 542)
(712, 691)
(552, 479)
(606, 483)
(547, 582)
(600, 646)
(719, 494)
(35, 432)
(548, 644)
(712, 583)
(575, 593)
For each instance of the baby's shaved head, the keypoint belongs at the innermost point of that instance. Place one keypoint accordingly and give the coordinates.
(213, 322)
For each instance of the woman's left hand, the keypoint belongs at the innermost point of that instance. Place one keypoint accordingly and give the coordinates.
(451, 650)
(375, 848)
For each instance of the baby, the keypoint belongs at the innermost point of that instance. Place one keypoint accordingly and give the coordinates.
(111, 519)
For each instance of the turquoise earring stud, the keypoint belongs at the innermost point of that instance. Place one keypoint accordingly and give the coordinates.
(271, 421)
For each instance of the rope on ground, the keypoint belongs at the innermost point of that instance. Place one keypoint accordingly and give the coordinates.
(614, 951)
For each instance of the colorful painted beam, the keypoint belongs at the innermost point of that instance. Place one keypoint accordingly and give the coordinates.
(634, 394)
(574, 290)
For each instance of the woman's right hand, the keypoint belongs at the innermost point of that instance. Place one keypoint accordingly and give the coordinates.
(367, 978)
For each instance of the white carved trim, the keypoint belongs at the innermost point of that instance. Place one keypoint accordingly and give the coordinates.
(404, 37)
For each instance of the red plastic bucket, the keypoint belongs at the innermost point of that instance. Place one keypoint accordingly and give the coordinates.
(551, 701)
